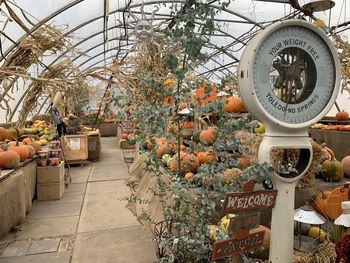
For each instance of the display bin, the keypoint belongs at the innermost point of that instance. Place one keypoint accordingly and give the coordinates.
(108, 129)
(338, 141)
(94, 148)
(51, 191)
(12, 200)
(125, 145)
(74, 147)
(50, 174)
(29, 172)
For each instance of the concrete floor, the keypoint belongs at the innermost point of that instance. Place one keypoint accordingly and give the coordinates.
(89, 224)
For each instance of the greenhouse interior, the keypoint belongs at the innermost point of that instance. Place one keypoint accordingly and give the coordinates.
(183, 131)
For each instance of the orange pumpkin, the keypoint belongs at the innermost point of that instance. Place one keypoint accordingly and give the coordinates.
(188, 125)
(163, 149)
(11, 134)
(188, 176)
(21, 150)
(3, 134)
(124, 136)
(189, 163)
(28, 140)
(207, 157)
(168, 100)
(207, 137)
(37, 146)
(234, 104)
(31, 151)
(346, 165)
(14, 143)
(243, 163)
(9, 159)
(206, 93)
(342, 116)
(230, 174)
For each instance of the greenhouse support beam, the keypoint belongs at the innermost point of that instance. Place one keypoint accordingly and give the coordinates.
(40, 23)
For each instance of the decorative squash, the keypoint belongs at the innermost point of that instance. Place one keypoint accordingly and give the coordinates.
(317, 233)
(28, 140)
(195, 136)
(342, 116)
(206, 93)
(21, 150)
(207, 157)
(163, 149)
(37, 146)
(31, 151)
(189, 163)
(9, 159)
(266, 241)
(207, 137)
(346, 165)
(332, 170)
(234, 104)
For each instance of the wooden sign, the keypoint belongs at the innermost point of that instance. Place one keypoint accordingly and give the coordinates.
(246, 222)
(244, 201)
(232, 246)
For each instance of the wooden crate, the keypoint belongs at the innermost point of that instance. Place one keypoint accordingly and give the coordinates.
(75, 148)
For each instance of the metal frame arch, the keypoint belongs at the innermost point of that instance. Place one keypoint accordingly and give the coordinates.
(56, 13)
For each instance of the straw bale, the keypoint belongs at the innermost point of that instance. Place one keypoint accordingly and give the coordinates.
(251, 141)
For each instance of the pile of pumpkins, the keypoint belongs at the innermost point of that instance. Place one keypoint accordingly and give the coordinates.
(14, 152)
(332, 170)
(191, 161)
(341, 116)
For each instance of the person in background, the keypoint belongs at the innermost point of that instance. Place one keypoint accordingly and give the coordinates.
(57, 120)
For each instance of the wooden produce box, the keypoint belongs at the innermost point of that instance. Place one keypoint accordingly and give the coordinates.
(12, 200)
(108, 129)
(50, 174)
(50, 181)
(123, 144)
(50, 191)
(75, 148)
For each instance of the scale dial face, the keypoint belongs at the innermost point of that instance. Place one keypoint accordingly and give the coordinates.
(293, 73)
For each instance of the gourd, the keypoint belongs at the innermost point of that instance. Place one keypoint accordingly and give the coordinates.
(332, 170)
(31, 151)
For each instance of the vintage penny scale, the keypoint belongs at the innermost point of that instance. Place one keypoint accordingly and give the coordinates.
(289, 79)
